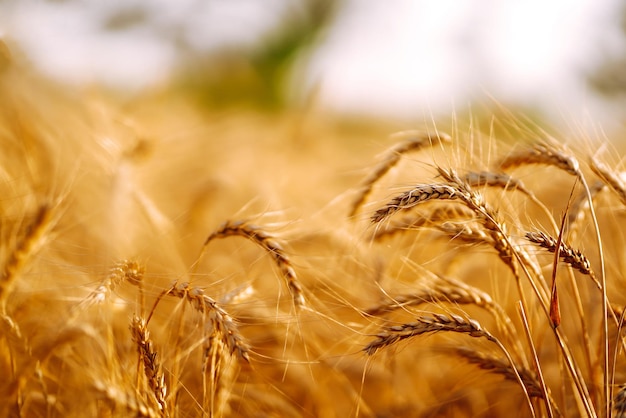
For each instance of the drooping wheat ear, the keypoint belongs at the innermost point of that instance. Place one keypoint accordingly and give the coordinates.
(449, 290)
(125, 270)
(457, 189)
(574, 258)
(465, 232)
(425, 325)
(542, 154)
(417, 141)
(438, 291)
(500, 366)
(436, 216)
(440, 323)
(475, 202)
(32, 238)
(619, 402)
(610, 178)
(269, 243)
(222, 324)
(151, 365)
(501, 180)
(419, 194)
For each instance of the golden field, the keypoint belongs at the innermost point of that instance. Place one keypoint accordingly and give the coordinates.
(162, 260)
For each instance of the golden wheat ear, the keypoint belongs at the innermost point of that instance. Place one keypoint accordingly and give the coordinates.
(129, 271)
(425, 325)
(33, 236)
(500, 366)
(257, 235)
(442, 323)
(609, 178)
(542, 154)
(151, 364)
(574, 258)
(223, 325)
(415, 140)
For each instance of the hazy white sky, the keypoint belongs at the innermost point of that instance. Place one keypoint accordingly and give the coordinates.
(400, 58)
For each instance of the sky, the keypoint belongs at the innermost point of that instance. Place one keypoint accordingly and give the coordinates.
(404, 58)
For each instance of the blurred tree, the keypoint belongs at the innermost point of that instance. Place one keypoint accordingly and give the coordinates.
(257, 76)
(610, 78)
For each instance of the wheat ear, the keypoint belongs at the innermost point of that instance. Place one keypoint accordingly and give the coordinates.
(501, 180)
(419, 194)
(33, 237)
(425, 325)
(542, 154)
(392, 156)
(125, 270)
(151, 365)
(609, 178)
(434, 217)
(619, 403)
(502, 367)
(222, 324)
(267, 242)
(440, 323)
(574, 258)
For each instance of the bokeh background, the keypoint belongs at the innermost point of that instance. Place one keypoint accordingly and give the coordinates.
(562, 62)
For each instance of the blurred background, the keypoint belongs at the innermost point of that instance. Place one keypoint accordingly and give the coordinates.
(562, 61)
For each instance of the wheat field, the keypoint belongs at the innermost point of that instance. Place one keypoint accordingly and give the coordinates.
(158, 260)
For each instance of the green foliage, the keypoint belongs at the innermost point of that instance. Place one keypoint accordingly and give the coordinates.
(257, 77)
